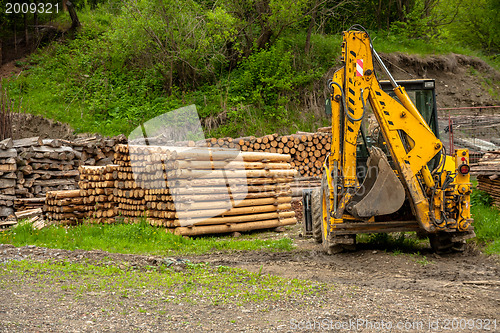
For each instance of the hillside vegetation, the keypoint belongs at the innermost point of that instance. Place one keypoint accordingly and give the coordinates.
(251, 67)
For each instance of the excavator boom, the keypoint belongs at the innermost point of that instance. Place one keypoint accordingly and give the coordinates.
(398, 180)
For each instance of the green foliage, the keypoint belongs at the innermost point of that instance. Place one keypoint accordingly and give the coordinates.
(416, 23)
(480, 198)
(477, 24)
(139, 238)
(242, 63)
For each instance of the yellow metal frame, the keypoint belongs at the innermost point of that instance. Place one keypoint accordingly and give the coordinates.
(350, 93)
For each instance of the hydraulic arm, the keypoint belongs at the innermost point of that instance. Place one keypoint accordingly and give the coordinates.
(398, 169)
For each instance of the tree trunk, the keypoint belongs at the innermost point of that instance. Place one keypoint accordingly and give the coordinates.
(35, 23)
(75, 23)
(310, 29)
(26, 35)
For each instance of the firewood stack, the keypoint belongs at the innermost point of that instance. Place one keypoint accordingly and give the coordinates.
(200, 191)
(97, 184)
(488, 175)
(8, 176)
(307, 150)
(28, 203)
(97, 150)
(64, 207)
(129, 197)
(45, 165)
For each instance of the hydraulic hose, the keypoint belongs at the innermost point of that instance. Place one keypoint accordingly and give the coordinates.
(344, 104)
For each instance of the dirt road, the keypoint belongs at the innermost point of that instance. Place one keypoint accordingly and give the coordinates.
(373, 291)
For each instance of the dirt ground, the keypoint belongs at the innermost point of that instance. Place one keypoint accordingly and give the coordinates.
(410, 292)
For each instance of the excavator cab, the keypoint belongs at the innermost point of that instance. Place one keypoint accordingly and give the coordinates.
(423, 96)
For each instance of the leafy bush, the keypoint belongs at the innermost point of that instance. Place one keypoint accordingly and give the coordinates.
(481, 198)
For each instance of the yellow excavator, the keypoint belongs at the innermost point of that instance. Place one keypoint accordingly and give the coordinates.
(387, 170)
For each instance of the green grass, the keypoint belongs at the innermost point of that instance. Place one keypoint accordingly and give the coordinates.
(193, 284)
(397, 243)
(486, 220)
(487, 227)
(138, 238)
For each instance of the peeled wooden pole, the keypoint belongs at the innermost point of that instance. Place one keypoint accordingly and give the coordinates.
(224, 228)
(236, 219)
(228, 204)
(232, 195)
(200, 174)
(233, 211)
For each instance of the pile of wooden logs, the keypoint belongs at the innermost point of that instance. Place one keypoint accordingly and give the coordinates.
(488, 175)
(307, 150)
(64, 207)
(96, 150)
(129, 197)
(45, 165)
(204, 191)
(8, 176)
(97, 184)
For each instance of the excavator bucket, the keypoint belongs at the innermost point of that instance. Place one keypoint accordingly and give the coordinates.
(381, 192)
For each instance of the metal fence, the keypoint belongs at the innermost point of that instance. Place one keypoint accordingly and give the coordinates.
(475, 128)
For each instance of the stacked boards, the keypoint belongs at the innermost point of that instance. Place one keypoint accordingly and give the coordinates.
(96, 150)
(194, 191)
(488, 175)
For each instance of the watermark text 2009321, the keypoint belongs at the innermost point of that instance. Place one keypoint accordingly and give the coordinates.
(430, 325)
(31, 8)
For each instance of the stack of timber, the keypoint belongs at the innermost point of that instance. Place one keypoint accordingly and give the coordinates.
(129, 197)
(8, 176)
(64, 207)
(488, 175)
(195, 191)
(97, 184)
(307, 150)
(21, 204)
(45, 165)
(96, 150)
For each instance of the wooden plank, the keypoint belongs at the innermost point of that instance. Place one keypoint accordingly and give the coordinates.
(54, 182)
(7, 183)
(6, 153)
(8, 167)
(27, 142)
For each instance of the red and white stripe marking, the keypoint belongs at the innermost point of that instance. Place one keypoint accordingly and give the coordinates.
(359, 67)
